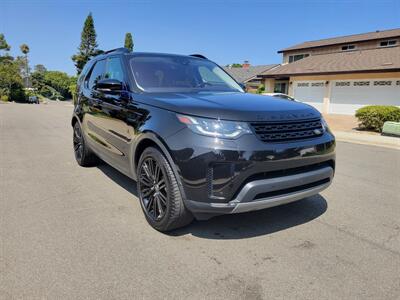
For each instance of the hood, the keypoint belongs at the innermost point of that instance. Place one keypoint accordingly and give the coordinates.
(230, 106)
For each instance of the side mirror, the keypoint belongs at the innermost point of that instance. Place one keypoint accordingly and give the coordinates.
(109, 86)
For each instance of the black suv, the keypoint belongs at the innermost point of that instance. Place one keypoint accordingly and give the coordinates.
(194, 141)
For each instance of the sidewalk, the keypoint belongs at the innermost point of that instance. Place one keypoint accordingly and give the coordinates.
(368, 139)
(344, 128)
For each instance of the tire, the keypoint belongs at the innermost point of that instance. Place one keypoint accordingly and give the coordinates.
(159, 194)
(84, 157)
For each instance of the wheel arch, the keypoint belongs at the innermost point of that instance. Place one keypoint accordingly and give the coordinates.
(150, 139)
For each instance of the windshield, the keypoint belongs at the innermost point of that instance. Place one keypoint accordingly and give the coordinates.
(155, 74)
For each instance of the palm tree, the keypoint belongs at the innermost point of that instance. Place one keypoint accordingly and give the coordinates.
(25, 50)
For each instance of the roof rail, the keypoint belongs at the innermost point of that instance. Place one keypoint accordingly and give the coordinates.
(119, 50)
(199, 56)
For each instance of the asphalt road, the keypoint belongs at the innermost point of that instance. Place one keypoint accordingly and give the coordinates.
(68, 232)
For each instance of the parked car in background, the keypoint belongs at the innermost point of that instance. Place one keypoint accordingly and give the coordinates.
(33, 99)
(194, 141)
(279, 95)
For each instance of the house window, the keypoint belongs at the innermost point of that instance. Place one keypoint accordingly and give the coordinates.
(388, 43)
(348, 47)
(293, 58)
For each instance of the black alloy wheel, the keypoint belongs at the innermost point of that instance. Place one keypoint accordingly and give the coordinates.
(153, 189)
(83, 155)
(159, 192)
(78, 142)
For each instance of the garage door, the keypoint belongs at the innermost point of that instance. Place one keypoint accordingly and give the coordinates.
(310, 92)
(349, 95)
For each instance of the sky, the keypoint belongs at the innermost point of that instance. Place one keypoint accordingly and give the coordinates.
(229, 31)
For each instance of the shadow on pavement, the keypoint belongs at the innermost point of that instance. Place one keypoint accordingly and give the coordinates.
(240, 226)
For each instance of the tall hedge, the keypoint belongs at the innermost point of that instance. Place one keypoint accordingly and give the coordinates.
(372, 117)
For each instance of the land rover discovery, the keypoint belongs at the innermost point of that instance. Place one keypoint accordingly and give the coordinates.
(195, 143)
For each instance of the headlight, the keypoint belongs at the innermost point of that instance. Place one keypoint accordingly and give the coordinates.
(324, 124)
(214, 127)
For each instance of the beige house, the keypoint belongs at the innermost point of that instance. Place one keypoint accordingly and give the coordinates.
(340, 75)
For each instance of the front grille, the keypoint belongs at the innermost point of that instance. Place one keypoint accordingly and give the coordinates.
(287, 131)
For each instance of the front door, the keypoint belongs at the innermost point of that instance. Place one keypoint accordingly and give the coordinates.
(281, 87)
(112, 122)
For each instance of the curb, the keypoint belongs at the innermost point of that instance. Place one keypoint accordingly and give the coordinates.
(367, 139)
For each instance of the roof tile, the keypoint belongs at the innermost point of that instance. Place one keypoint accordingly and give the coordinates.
(379, 59)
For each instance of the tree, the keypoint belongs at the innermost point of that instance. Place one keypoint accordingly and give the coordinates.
(88, 47)
(128, 41)
(10, 81)
(3, 43)
(40, 68)
(25, 50)
(6, 47)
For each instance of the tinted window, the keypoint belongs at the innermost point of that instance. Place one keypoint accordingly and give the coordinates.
(83, 73)
(114, 69)
(180, 74)
(96, 74)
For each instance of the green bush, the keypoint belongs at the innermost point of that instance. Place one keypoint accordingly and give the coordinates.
(4, 98)
(372, 117)
(261, 89)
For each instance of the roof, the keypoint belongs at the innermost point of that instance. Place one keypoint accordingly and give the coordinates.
(379, 59)
(245, 74)
(391, 33)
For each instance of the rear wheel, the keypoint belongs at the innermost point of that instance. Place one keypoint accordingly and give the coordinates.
(83, 155)
(159, 194)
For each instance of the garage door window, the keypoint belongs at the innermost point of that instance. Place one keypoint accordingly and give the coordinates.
(361, 83)
(343, 83)
(382, 82)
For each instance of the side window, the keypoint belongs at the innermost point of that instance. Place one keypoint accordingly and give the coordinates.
(83, 73)
(114, 69)
(96, 74)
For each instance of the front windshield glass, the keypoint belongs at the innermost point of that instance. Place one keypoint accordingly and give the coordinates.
(167, 73)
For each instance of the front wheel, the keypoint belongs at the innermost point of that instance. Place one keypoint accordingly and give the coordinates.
(159, 194)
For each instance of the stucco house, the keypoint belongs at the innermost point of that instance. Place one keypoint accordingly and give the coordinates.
(339, 75)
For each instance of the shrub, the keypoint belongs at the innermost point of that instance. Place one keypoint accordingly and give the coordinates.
(261, 89)
(4, 98)
(372, 117)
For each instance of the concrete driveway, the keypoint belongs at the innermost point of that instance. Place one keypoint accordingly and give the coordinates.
(68, 232)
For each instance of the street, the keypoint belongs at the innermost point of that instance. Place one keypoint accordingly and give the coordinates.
(68, 232)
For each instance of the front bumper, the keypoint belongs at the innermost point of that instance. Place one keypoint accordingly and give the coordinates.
(280, 190)
(225, 176)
